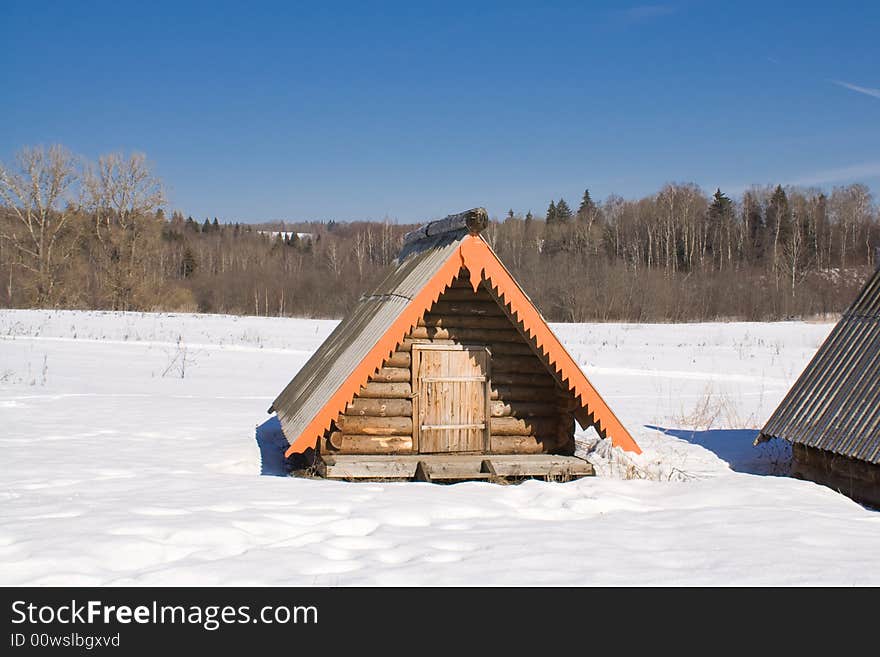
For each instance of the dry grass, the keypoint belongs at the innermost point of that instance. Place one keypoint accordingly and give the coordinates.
(714, 409)
(613, 462)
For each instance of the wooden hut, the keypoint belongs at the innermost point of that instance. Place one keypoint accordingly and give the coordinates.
(831, 416)
(446, 371)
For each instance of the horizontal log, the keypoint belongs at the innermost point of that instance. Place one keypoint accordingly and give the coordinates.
(523, 444)
(500, 408)
(479, 308)
(363, 444)
(469, 335)
(565, 447)
(380, 407)
(475, 220)
(374, 426)
(391, 375)
(566, 400)
(497, 348)
(539, 380)
(517, 363)
(462, 280)
(522, 393)
(534, 426)
(456, 293)
(566, 403)
(511, 349)
(465, 321)
(399, 359)
(408, 342)
(386, 391)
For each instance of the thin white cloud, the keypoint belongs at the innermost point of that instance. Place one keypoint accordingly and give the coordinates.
(855, 172)
(850, 174)
(868, 91)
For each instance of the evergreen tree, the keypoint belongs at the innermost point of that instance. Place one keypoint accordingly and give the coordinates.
(721, 207)
(551, 213)
(191, 225)
(779, 215)
(206, 227)
(563, 212)
(718, 216)
(756, 227)
(779, 225)
(215, 225)
(587, 206)
(188, 263)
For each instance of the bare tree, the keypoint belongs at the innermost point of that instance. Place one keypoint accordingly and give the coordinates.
(850, 209)
(37, 193)
(333, 259)
(122, 194)
(360, 252)
(793, 253)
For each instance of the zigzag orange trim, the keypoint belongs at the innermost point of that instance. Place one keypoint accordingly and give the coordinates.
(482, 263)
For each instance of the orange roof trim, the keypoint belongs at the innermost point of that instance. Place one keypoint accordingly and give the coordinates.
(483, 265)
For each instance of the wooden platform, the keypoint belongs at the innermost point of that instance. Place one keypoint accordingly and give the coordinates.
(450, 468)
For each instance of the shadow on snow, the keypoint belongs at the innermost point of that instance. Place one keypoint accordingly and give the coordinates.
(736, 447)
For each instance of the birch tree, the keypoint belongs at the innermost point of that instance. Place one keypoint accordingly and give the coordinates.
(37, 191)
(122, 194)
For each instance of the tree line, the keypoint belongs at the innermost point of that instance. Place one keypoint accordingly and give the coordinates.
(79, 234)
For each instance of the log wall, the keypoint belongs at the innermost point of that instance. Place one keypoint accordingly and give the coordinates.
(859, 480)
(528, 412)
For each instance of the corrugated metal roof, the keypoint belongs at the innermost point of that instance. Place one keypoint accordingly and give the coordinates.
(360, 343)
(835, 404)
(329, 367)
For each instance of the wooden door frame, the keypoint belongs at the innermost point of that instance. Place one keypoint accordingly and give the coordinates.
(415, 385)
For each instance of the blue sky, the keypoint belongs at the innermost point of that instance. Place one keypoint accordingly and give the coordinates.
(257, 110)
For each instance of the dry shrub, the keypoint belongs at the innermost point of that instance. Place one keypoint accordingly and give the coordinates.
(714, 409)
(177, 299)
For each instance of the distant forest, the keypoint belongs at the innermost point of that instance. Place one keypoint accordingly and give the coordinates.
(95, 235)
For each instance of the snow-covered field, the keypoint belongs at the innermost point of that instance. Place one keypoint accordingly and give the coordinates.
(127, 456)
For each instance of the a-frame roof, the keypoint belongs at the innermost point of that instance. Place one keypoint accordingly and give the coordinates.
(835, 404)
(356, 349)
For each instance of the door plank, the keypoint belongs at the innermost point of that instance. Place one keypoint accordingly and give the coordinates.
(453, 387)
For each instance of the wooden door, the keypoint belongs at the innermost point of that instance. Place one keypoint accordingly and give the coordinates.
(452, 398)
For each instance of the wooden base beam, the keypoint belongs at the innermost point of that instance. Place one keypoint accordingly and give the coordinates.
(438, 468)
